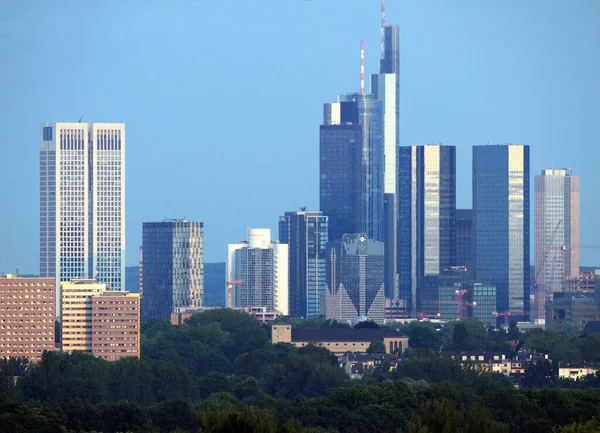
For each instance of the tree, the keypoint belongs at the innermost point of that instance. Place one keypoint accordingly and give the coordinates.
(423, 335)
(376, 347)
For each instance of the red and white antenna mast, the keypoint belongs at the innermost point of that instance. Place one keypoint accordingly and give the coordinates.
(382, 29)
(362, 67)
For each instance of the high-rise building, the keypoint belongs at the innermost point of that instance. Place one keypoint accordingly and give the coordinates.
(173, 260)
(464, 238)
(105, 323)
(355, 279)
(27, 316)
(426, 214)
(306, 235)
(501, 224)
(556, 233)
(261, 269)
(351, 166)
(76, 313)
(82, 202)
(116, 325)
(386, 87)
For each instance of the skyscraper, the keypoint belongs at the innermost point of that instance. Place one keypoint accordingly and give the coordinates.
(355, 279)
(173, 258)
(261, 269)
(82, 202)
(306, 234)
(352, 166)
(501, 224)
(386, 87)
(556, 232)
(464, 238)
(426, 214)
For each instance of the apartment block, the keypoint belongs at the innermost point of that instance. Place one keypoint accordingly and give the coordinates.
(102, 322)
(26, 316)
(116, 325)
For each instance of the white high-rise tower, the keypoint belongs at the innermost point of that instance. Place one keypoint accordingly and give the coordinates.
(82, 202)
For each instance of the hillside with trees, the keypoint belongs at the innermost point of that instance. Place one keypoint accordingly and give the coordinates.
(219, 372)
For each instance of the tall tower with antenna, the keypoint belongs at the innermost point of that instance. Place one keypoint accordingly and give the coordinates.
(385, 87)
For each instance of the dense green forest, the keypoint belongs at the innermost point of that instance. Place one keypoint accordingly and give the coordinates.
(219, 372)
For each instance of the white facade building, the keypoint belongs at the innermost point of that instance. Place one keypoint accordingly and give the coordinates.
(82, 202)
(262, 268)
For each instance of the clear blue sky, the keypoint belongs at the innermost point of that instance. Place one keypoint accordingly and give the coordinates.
(222, 100)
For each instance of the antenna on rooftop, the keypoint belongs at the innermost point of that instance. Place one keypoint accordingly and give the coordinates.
(17, 270)
(382, 29)
(80, 119)
(362, 67)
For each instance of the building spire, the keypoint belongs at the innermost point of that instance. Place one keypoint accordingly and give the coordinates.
(362, 67)
(382, 29)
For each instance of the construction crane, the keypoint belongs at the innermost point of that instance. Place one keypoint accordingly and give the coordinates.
(230, 291)
(461, 303)
(539, 303)
(506, 314)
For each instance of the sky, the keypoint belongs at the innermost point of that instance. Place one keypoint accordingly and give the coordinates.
(222, 100)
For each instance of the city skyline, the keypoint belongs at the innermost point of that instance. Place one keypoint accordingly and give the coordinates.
(521, 110)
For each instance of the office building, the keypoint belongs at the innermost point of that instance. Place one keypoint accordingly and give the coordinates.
(76, 313)
(306, 235)
(26, 316)
(355, 279)
(82, 202)
(260, 269)
(427, 214)
(556, 233)
(464, 238)
(351, 169)
(173, 266)
(386, 87)
(99, 321)
(482, 298)
(570, 312)
(501, 224)
(141, 271)
(116, 325)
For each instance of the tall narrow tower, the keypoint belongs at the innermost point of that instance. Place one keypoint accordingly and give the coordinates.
(386, 87)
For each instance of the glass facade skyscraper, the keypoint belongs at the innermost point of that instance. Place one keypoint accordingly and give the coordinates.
(173, 258)
(501, 224)
(355, 279)
(82, 203)
(306, 234)
(426, 217)
(351, 169)
(556, 233)
(386, 87)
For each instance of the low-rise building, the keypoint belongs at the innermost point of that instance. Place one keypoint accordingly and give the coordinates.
(356, 364)
(340, 340)
(262, 314)
(26, 316)
(570, 312)
(575, 371)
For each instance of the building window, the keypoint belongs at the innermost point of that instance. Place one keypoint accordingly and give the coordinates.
(47, 133)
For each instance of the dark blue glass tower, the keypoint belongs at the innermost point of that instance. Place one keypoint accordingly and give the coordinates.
(351, 166)
(306, 234)
(426, 218)
(173, 260)
(501, 224)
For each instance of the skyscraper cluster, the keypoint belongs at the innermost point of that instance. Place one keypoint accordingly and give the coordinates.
(387, 241)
